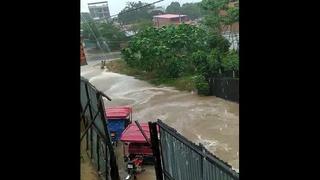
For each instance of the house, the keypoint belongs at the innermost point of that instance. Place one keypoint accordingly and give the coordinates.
(99, 10)
(170, 19)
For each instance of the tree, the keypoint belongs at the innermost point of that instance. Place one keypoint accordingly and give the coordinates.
(208, 66)
(88, 26)
(214, 20)
(130, 14)
(232, 15)
(230, 62)
(106, 34)
(193, 10)
(174, 51)
(156, 12)
(140, 26)
(166, 50)
(90, 30)
(112, 35)
(174, 8)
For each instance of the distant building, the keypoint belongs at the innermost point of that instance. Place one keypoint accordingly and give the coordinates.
(99, 10)
(168, 19)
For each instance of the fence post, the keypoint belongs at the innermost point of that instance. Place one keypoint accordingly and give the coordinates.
(203, 160)
(113, 162)
(155, 149)
(91, 118)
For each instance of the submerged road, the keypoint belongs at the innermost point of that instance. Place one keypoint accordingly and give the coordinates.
(212, 121)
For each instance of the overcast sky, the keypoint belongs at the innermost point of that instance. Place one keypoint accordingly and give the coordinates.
(115, 6)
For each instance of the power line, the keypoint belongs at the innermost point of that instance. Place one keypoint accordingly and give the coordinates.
(134, 9)
(137, 8)
(95, 35)
(117, 15)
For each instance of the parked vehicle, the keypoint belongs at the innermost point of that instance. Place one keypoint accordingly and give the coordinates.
(135, 144)
(118, 119)
(134, 167)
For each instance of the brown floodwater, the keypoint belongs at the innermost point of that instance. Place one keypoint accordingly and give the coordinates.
(211, 121)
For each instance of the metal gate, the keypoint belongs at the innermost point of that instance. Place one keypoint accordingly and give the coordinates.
(95, 134)
(180, 159)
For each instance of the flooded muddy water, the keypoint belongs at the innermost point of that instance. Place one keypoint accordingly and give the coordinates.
(212, 121)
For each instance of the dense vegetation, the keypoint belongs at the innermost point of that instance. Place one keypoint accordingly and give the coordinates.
(133, 13)
(183, 52)
(176, 51)
(215, 19)
(193, 10)
(106, 34)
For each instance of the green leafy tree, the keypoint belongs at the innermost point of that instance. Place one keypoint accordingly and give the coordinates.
(174, 8)
(232, 15)
(230, 62)
(130, 14)
(88, 26)
(214, 20)
(105, 34)
(192, 10)
(166, 50)
(208, 66)
(174, 51)
(112, 35)
(141, 25)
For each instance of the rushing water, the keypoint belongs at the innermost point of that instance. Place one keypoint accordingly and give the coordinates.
(212, 121)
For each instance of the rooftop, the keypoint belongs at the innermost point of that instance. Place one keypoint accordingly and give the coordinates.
(118, 112)
(133, 134)
(168, 16)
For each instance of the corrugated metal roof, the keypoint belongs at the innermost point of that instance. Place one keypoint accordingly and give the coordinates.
(118, 112)
(133, 134)
(168, 16)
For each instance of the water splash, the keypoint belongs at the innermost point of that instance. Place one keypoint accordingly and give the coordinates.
(209, 144)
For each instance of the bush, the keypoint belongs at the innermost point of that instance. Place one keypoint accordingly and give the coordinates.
(174, 68)
(166, 50)
(230, 61)
(201, 85)
(176, 51)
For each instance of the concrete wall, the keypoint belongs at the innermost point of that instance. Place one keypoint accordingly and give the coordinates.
(159, 22)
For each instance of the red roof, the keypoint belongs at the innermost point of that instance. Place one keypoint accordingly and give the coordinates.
(118, 112)
(168, 16)
(133, 134)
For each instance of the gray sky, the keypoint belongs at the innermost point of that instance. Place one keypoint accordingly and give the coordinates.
(115, 6)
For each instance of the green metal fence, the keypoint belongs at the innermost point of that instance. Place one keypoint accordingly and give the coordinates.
(183, 160)
(226, 88)
(95, 133)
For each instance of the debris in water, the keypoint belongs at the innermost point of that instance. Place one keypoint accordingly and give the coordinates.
(207, 143)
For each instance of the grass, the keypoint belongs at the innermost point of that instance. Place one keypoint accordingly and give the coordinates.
(184, 83)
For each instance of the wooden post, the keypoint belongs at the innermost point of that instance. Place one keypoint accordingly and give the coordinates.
(156, 149)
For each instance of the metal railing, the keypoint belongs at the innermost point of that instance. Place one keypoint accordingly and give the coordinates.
(180, 159)
(95, 134)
